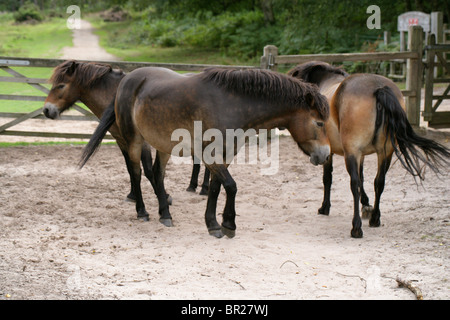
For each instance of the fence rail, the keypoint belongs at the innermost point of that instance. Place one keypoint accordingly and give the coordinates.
(371, 56)
(7, 64)
(414, 68)
(270, 60)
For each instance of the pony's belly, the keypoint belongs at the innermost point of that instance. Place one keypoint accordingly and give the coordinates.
(166, 141)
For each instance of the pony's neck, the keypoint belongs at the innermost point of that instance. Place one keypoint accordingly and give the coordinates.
(266, 116)
(98, 97)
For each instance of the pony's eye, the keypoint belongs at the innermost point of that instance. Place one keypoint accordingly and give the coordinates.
(320, 124)
(60, 86)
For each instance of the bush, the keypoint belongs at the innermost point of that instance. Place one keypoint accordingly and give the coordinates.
(28, 12)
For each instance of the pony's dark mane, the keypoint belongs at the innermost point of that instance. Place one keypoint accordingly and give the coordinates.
(270, 86)
(315, 71)
(84, 73)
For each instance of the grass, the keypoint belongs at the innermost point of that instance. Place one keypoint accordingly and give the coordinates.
(113, 39)
(46, 40)
(42, 40)
(49, 143)
(23, 89)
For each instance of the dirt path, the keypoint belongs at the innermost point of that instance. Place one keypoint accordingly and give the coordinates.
(86, 46)
(68, 234)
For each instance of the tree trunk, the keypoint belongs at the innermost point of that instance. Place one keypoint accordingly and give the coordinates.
(266, 6)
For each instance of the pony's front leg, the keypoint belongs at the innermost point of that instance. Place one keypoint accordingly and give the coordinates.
(229, 213)
(194, 176)
(352, 165)
(327, 180)
(205, 184)
(213, 226)
(220, 175)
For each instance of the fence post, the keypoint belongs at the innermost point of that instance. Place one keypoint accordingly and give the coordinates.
(437, 28)
(429, 79)
(414, 74)
(268, 60)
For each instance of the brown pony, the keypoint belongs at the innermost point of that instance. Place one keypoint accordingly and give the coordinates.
(95, 85)
(151, 103)
(367, 116)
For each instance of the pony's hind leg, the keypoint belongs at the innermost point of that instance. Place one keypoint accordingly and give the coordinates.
(352, 164)
(134, 154)
(384, 163)
(132, 195)
(366, 209)
(159, 171)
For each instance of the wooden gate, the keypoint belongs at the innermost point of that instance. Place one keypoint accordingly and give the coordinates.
(36, 83)
(8, 63)
(437, 71)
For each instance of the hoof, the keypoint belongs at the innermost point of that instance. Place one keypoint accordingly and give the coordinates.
(228, 232)
(190, 189)
(130, 199)
(144, 218)
(366, 212)
(143, 215)
(357, 233)
(216, 233)
(324, 211)
(204, 192)
(374, 223)
(166, 222)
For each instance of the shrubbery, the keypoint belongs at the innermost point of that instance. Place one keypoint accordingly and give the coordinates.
(28, 12)
(242, 34)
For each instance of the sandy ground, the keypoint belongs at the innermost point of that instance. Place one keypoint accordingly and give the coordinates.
(69, 234)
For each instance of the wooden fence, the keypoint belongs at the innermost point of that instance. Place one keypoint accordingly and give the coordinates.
(7, 64)
(270, 60)
(437, 71)
(413, 56)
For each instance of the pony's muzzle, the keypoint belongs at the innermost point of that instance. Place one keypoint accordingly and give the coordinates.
(50, 111)
(320, 156)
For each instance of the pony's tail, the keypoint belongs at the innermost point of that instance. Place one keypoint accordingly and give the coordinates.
(107, 120)
(410, 148)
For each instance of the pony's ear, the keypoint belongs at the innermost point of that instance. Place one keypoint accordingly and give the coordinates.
(71, 67)
(315, 74)
(295, 74)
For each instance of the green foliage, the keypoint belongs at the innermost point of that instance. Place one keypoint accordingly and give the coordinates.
(241, 34)
(29, 11)
(242, 28)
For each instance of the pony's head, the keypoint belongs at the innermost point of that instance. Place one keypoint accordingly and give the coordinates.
(68, 80)
(316, 72)
(307, 127)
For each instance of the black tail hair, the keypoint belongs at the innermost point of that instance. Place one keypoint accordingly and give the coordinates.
(107, 120)
(410, 148)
